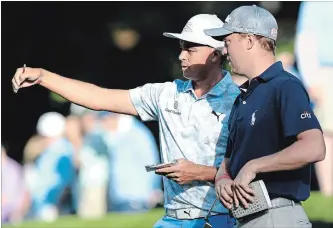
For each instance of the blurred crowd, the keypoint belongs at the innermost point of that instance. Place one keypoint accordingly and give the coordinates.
(89, 163)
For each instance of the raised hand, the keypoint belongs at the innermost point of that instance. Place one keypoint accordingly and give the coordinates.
(25, 77)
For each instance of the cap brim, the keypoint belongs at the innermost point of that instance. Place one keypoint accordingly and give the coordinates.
(173, 35)
(217, 32)
(177, 36)
(206, 40)
(183, 37)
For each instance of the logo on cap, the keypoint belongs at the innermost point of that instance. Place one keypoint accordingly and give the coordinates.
(274, 32)
(228, 19)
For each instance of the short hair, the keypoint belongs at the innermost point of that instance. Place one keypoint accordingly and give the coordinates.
(266, 43)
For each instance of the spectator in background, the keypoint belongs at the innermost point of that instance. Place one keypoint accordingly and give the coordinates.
(15, 198)
(74, 135)
(91, 186)
(33, 148)
(314, 52)
(131, 146)
(53, 170)
(288, 62)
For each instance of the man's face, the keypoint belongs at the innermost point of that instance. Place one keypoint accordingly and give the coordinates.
(193, 59)
(235, 50)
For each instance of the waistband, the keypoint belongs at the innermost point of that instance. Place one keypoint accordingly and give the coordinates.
(189, 213)
(276, 203)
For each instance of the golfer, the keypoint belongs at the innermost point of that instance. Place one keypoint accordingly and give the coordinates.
(192, 116)
(274, 135)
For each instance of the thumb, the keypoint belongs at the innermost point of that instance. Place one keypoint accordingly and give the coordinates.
(31, 74)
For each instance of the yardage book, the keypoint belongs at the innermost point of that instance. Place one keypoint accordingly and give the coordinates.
(261, 201)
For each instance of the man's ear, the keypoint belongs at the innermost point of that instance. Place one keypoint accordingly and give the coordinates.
(216, 56)
(250, 42)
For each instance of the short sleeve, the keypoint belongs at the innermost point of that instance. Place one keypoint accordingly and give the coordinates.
(228, 149)
(146, 100)
(296, 113)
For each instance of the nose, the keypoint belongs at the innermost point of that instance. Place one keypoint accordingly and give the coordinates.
(224, 51)
(182, 55)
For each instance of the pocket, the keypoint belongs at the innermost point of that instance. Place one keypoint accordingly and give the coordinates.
(301, 218)
(303, 223)
(168, 222)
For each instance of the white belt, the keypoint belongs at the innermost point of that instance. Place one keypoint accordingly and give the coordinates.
(282, 202)
(189, 213)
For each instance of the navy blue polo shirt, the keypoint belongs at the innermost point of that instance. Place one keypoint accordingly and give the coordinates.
(266, 119)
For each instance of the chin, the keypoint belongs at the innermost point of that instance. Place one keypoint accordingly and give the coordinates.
(234, 71)
(187, 76)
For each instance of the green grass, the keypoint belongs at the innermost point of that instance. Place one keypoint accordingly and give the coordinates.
(111, 220)
(318, 208)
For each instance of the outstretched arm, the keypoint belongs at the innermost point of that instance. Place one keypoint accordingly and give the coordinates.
(82, 93)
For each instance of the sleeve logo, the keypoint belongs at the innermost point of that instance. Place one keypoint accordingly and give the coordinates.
(305, 115)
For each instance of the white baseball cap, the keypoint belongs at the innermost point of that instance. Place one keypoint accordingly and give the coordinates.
(51, 124)
(194, 30)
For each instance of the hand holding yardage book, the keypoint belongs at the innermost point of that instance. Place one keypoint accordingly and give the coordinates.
(261, 201)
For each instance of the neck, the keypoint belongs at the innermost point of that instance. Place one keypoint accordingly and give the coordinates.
(260, 64)
(204, 85)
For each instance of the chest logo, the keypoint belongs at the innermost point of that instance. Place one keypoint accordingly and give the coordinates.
(175, 109)
(253, 118)
(175, 105)
(218, 115)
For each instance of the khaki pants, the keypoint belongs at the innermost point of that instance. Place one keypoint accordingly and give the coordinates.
(93, 202)
(284, 217)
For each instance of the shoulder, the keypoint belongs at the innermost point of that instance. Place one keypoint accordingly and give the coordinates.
(157, 88)
(168, 89)
(288, 80)
(290, 89)
(285, 78)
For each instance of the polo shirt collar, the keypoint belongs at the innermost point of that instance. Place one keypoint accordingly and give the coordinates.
(271, 71)
(217, 90)
(266, 76)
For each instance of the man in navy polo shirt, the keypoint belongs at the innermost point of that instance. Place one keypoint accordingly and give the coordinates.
(274, 135)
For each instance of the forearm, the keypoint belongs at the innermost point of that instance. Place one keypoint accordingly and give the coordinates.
(298, 155)
(88, 95)
(206, 173)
